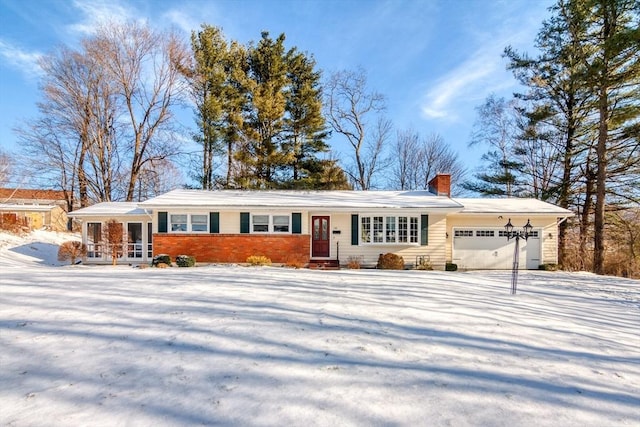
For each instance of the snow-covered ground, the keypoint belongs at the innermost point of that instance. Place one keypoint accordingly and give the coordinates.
(230, 345)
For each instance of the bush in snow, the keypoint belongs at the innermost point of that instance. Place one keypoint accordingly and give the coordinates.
(451, 266)
(258, 260)
(390, 261)
(354, 262)
(71, 251)
(185, 261)
(161, 259)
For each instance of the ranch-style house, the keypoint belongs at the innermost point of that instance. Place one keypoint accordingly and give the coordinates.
(327, 227)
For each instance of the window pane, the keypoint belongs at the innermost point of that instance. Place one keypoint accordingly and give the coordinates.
(390, 236)
(365, 229)
(413, 234)
(198, 222)
(179, 222)
(149, 240)
(94, 239)
(94, 232)
(261, 223)
(281, 223)
(377, 229)
(402, 229)
(134, 237)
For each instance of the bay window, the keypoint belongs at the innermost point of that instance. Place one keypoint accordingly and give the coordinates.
(389, 229)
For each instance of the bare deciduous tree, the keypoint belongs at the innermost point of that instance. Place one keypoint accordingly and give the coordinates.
(351, 106)
(120, 85)
(418, 159)
(5, 168)
(144, 66)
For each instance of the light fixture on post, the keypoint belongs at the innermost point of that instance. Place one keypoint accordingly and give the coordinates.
(517, 234)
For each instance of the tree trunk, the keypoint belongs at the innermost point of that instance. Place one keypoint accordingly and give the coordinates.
(601, 177)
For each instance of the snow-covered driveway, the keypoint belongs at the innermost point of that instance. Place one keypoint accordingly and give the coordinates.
(229, 345)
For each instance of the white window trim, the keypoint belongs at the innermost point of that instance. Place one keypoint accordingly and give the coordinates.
(270, 228)
(384, 230)
(189, 223)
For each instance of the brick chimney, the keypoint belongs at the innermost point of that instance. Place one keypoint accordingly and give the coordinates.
(440, 185)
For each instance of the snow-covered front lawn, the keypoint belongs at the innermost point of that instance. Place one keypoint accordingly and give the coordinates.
(230, 345)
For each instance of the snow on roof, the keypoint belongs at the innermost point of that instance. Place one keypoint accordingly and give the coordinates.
(8, 194)
(110, 208)
(303, 199)
(26, 208)
(510, 205)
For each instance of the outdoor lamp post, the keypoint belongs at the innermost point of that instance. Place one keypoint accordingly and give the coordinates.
(516, 234)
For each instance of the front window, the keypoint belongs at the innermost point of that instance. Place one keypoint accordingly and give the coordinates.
(280, 223)
(263, 223)
(178, 222)
(198, 223)
(94, 240)
(390, 235)
(192, 223)
(134, 240)
(389, 229)
(378, 226)
(366, 229)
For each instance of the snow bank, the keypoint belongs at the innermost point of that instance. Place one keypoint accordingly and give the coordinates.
(228, 345)
(39, 247)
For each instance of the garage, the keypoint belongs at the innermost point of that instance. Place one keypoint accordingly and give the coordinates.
(489, 249)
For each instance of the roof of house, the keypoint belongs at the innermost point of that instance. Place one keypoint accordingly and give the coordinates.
(323, 200)
(5, 207)
(110, 208)
(510, 205)
(336, 200)
(12, 194)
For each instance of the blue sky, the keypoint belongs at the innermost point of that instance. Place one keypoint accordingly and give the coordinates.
(434, 60)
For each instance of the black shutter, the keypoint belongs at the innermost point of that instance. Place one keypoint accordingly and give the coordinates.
(244, 222)
(296, 223)
(354, 230)
(424, 227)
(162, 222)
(214, 222)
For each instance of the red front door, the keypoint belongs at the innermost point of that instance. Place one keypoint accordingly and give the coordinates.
(320, 237)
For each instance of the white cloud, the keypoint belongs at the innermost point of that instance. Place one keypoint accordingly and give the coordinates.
(459, 83)
(181, 20)
(20, 59)
(97, 12)
(484, 71)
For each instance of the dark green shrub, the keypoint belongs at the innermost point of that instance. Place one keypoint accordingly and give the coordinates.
(161, 259)
(185, 261)
(548, 267)
(390, 261)
(451, 266)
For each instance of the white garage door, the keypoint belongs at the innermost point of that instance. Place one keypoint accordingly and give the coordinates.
(488, 248)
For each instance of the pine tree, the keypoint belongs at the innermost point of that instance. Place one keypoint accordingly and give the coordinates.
(305, 129)
(612, 48)
(208, 82)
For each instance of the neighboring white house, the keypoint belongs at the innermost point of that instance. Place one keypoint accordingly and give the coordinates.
(327, 226)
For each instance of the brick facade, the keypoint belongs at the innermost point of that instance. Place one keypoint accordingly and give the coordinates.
(234, 248)
(440, 185)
